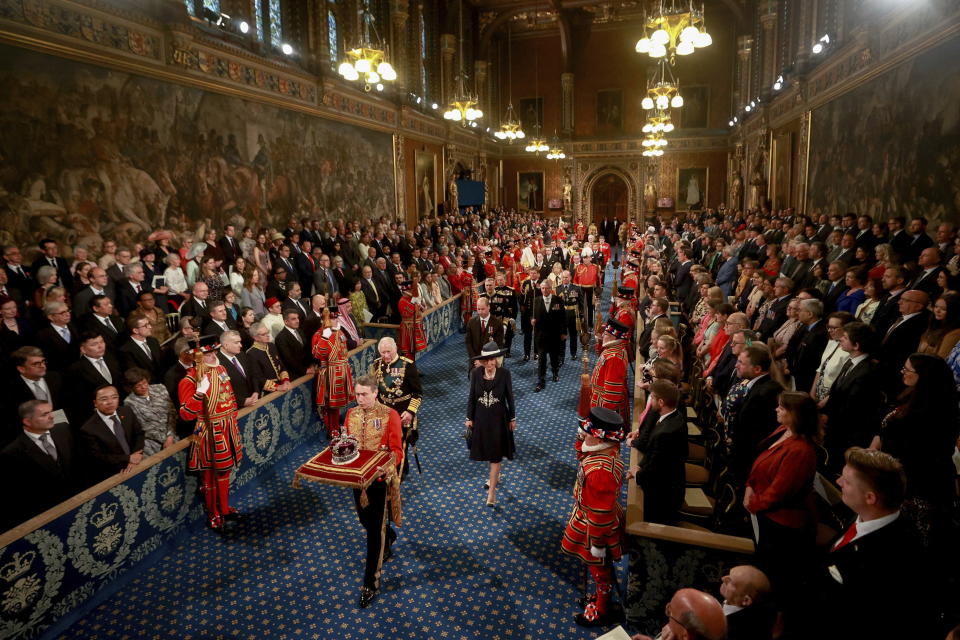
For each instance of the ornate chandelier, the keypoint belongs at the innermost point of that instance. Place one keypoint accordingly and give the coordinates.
(659, 122)
(676, 28)
(537, 145)
(510, 127)
(463, 108)
(367, 60)
(663, 91)
(653, 145)
(556, 150)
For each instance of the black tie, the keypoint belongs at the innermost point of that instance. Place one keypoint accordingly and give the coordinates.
(121, 436)
(843, 370)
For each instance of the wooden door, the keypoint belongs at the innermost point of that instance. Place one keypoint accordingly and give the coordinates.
(610, 198)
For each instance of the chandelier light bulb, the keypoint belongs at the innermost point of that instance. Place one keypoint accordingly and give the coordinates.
(689, 33)
(677, 101)
(662, 102)
(478, 112)
(386, 71)
(521, 135)
(748, 108)
(345, 69)
(244, 26)
(647, 128)
(647, 103)
(373, 77)
(817, 48)
(362, 65)
(685, 48)
(643, 45)
(658, 51)
(702, 40)
(660, 37)
(286, 48)
(668, 127)
(379, 87)
(500, 135)
(730, 123)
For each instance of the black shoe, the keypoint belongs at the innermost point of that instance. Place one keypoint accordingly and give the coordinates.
(539, 387)
(366, 597)
(232, 514)
(556, 378)
(526, 358)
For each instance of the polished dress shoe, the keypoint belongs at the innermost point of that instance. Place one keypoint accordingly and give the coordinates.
(539, 387)
(366, 597)
(232, 514)
(526, 358)
(556, 378)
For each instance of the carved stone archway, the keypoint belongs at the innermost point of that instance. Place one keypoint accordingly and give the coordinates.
(592, 175)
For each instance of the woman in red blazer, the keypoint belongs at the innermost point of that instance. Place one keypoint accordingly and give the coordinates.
(779, 493)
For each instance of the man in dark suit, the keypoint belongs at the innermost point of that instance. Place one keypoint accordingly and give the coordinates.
(198, 306)
(848, 250)
(100, 285)
(172, 378)
(50, 256)
(895, 284)
(659, 308)
(33, 380)
(879, 549)
(373, 293)
(142, 350)
(661, 472)
(899, 238)
(853, 406)
(295, 302)
(324, 281)
(246, 384)
(929, 262)
(115, 271)
(902, 338)
(481, 329)
(550, 330)
(94, 369)
(776, 313)
(807, 344)
(306, 264)
(294, 349)
(749, 612)
(60, 341)
(228, 245)
(102, 321)
(727, 273)
(18, 276)
(40, 463)
(219, 320)
(279, 284)
(758, 416)
(836, 273)
(112, 438)
(284, 260)
(919, 240)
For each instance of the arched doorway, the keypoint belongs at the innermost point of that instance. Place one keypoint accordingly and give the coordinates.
(609, 198)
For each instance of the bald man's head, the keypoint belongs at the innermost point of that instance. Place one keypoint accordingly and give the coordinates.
(695, 614)
(744, 585)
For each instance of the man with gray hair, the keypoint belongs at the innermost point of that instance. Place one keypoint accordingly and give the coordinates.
(807, 344)
(398, 385)
(692, 615)
(60, 341)
(246, 386)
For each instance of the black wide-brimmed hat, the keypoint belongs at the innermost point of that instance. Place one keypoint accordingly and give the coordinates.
(605, 424)
(625, 292)
(489, 350)
(206, 344)
(617, 329)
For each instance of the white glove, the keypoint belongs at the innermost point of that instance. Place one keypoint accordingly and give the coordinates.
(598, 552)
(326, 333)
(203, 386)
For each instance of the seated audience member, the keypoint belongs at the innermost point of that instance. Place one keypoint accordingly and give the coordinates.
(152, 406)
(101, 320)
(873, 291)
(661, 472)
(218, 320)
(38, 469)
(112, 439)
(746, 604)
(878, 550)
(692, 615)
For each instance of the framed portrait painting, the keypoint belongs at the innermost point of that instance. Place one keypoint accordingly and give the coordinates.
(609, 111)
(692, 188)
(530, 112)
(425, 176)
(530, 191)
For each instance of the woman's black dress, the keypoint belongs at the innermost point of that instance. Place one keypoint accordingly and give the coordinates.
(491, 408)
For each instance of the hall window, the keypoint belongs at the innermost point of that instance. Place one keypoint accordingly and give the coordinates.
(333, 37)
(423, 58)
(276, 23)
(196, 7)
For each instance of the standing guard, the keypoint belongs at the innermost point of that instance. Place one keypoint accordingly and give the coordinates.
(206, 396)
(587, 277)
(398, 384)
(609, 380)
(594, 532)
(334, 380)
(412, 336)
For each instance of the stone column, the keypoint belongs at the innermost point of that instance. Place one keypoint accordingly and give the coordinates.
(768, 42)
(397, 55)
(448, 47)
(744, 54)
(566, 109)
(806, 34)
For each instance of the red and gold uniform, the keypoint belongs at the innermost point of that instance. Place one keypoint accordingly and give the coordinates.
(594, 532)
(587, 277)
(412, 336)
(377, 429)
(334, 380)
(468, 296)
(608, 382)
(580, 231)
(217, 446)
(605, 251)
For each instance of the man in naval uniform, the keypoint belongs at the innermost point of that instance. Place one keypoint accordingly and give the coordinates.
(398, 385)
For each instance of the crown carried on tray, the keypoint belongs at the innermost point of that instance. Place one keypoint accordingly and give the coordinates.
(344, 449)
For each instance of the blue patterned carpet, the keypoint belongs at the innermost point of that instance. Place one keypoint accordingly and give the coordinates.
(293, 567)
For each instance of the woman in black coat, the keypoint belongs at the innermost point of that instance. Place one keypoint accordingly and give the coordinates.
(491, 415)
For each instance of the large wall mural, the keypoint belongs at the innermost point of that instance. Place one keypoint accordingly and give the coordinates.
(892, 146)
(88, 153)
